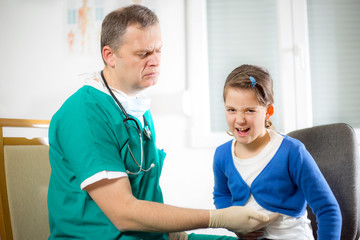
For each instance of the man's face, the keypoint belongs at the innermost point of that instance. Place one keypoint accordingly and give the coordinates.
(137, 61)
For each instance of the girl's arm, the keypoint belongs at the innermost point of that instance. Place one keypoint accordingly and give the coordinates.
(318, 195)
(222, 195)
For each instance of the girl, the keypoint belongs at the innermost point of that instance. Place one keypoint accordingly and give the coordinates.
(268, 171)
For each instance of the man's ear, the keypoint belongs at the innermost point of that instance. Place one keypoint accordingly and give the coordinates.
(270, 111)
(108, 56)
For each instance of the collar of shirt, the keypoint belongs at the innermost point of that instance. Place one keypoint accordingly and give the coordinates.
(134, 106)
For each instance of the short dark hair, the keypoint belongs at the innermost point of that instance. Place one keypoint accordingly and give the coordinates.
(115, 23)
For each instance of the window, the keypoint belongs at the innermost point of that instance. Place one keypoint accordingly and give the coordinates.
(334, 40)
(280, 35)
(239, 32)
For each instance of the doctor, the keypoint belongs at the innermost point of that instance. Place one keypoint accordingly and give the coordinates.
(105, 164)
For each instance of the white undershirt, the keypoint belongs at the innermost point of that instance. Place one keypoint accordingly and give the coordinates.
(285, 227)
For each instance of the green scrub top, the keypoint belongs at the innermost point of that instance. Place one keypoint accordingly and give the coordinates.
(87, 135)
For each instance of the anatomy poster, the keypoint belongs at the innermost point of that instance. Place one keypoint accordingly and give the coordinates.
(84, 19)
(83, 26)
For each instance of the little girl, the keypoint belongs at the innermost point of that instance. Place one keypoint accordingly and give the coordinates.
(268, 171)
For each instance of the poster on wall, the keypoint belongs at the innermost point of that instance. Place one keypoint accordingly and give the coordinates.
(83, 23)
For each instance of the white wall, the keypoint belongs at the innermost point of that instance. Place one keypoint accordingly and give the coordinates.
(37, 74)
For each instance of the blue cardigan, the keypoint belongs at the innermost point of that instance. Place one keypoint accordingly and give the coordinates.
(289, 181)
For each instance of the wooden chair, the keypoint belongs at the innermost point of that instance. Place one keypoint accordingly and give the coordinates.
(24, 178)
(335, 150)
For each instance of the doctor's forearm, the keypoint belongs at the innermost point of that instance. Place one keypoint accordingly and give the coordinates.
(116, 200)
(156, 217)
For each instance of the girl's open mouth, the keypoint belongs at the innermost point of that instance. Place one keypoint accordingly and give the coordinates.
(242, 131)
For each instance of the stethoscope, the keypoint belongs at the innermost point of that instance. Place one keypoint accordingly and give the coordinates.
(146, 132)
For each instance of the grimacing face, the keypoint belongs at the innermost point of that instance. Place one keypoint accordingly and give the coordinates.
(137, 61)
(245, 116)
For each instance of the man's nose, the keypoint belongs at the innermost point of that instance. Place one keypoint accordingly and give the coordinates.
(155, 59)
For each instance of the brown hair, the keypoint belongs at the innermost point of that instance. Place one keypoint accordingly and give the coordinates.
(240, 78)
(115, 24)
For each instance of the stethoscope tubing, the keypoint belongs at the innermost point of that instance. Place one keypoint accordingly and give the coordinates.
(127, 118)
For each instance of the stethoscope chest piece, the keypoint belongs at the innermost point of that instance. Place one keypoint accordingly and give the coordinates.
(146, 129)
(147, 133)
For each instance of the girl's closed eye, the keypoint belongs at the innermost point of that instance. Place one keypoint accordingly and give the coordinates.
(251, 111)
(230, 110)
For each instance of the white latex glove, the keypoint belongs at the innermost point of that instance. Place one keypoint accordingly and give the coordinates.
(239, 219)
(178, 236)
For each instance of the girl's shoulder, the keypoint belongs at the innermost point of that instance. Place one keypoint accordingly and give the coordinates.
(225, 146)
(291, 142)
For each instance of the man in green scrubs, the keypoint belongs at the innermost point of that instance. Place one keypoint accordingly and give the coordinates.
(105, 181)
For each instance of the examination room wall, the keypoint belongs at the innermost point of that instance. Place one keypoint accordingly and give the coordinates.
(38, 73)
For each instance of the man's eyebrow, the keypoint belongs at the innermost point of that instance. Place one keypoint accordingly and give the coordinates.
(144, 50)
(150, 49)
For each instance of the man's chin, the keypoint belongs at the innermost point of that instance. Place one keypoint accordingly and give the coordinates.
(150, 83)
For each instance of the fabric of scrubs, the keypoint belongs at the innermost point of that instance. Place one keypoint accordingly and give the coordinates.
(87, 135)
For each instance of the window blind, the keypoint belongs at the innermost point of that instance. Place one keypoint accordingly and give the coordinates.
(239, 32)
(334, 42)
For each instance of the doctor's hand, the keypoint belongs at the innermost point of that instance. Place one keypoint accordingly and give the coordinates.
(256, 234)
(240, 219)
(178, 236)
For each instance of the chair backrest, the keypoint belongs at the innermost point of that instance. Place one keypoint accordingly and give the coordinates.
(24, 179)
(335, 150)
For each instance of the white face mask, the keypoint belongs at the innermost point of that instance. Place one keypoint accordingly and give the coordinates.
(134, 106)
